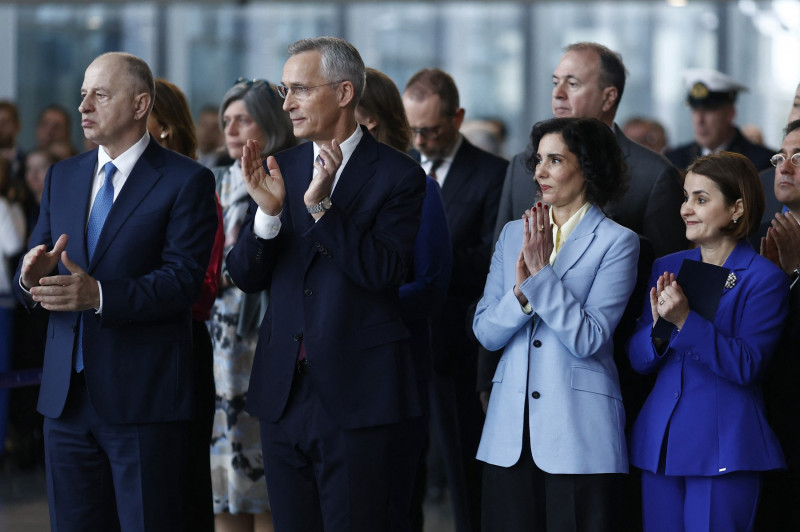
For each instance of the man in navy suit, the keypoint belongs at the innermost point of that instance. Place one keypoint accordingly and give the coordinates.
(331, 235)
(471, 180)
(118, 256)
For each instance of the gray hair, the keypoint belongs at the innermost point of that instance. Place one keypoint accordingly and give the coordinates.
(340, 61)
(263, 104)
(139, 72)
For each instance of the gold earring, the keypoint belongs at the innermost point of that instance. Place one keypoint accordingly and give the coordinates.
(163, 134)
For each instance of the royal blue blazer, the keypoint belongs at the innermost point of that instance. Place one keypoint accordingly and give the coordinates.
(706, 406)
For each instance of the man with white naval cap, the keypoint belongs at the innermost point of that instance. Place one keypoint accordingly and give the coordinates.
(712, 98)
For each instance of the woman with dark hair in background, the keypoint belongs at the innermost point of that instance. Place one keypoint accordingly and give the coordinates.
(560, 278)
(702, 439)
(170, 123)
(422, 296)
(251, 109)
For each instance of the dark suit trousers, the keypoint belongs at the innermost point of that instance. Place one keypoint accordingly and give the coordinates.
(522, 498)
(104, 476)
(198, 508)
(320, 475)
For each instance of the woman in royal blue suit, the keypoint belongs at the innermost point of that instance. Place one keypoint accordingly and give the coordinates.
(701, 438)
(553, 441)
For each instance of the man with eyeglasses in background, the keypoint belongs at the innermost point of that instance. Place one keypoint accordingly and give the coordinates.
(778, 509)
(330, 234)
(471, 180)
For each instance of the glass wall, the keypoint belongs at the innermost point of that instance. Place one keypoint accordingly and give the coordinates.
(501, 55)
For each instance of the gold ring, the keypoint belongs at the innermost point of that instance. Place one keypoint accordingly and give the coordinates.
(541, 228)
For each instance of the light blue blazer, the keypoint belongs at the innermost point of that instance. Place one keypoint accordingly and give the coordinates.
(562, 355)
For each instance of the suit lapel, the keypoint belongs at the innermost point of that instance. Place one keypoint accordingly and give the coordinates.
(578, 241)
(80, 202)
(460, 172)
(143, 178)
(359, 171)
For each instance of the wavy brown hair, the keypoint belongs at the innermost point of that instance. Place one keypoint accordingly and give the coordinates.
(171, 111)
(382, 103)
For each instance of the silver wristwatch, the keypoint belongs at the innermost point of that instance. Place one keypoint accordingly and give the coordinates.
(322, 206)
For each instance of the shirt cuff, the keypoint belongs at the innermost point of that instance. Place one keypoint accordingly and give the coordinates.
(266, 226)
(100, 289)
(26, 292)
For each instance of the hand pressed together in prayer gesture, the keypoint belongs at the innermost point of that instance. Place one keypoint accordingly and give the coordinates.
(77, 291)
(668, 301)
(266, 189)
(537, 245)
(782, 243)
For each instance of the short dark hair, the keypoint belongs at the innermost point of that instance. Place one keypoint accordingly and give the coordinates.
(737, 178)
(382, 103)
(612, 69)
(265, 106)
(171, 111)
(340, 61)
(54, 107)
(13, 110)
(595, 146)
(429, 81)
(791, 126)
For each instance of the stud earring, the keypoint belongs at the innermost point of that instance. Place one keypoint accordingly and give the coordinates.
(164, 135)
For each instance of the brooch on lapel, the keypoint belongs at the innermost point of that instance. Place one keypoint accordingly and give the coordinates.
(730, 282)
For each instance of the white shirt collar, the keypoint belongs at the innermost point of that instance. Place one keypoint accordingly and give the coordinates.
(348, 147)
(125, 162)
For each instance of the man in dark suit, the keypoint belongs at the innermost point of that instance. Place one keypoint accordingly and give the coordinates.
(118, 257)
(471, 180)
(778, 509)
(331, 235)
(712, 98)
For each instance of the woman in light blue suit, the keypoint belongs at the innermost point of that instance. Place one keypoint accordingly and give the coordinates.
(702, 439)
(560, 278)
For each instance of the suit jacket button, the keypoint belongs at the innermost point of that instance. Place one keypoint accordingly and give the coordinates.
(308, 292)
(74, 328)
(536, 395)
(537, 343)
(296, 337)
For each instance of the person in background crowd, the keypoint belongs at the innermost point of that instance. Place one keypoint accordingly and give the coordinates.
(53, 131)
(712, 98)
(702, 439)
(251, 109)
(211, 149)
(170, 123)
(471, 180)
(12, 241)
(10, 126)
(554, 439)
(422, 295)
(649, 133)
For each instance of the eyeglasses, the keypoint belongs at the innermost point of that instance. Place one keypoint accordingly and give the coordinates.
(779, 158)
(255, 83)
(301, 91)
(427, 133)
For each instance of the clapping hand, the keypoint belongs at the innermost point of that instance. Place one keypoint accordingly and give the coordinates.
(267, 189)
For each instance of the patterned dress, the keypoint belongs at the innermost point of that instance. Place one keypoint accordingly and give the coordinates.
(237, 467)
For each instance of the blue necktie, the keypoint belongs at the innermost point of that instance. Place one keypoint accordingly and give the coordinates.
(100, 208)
